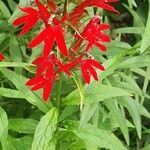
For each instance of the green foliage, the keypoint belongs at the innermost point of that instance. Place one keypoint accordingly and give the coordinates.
(114, 112)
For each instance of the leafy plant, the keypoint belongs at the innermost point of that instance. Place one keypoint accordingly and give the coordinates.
(110, 113)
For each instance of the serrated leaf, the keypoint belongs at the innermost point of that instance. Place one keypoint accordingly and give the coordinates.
(45, 130)
(134, 111)
(87, 113)
(98, 137)
(117, 113)
(136, 61)
(95, 93)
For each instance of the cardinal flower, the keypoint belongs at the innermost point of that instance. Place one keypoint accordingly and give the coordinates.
(87, 68)
(44, 82)
(79, 10)
(49, 36)
(105, 4)
(31, 16)
(1, 57)
(93, 34)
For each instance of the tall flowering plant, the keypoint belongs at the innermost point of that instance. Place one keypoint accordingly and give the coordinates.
(56, 24)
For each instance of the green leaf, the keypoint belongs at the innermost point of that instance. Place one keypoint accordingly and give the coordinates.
(136, 61)
(133, 2)
(11, 93)
(12, 4)
(45, 130)
(95, 93)
(117, 113)
(69, 110)
(134, 111)
(145, 41)
(4, 9)
(23, 125)
(15, 52)
(147, 147)
(98, 137)
(137, 19)
(87, 113)
(131, 30)
(131, 84)
(23, 143)
(2, 37)
(3, 127)
(15, 64)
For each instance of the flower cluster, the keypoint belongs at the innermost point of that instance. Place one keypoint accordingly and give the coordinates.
(54, 24)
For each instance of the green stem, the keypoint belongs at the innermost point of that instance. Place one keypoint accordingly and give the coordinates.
(58, 97)
(80, 88)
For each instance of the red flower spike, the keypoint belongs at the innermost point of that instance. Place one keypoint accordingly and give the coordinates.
(49, 35)
(88, 70)
(49, 66)
(1, 57)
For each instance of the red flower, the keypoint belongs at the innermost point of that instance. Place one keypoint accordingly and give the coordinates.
(88, 70)
(93, 33)
(31, 17)
(44, 82)
(49, 36)
(1, 57)
(78, 12)
(102, 4)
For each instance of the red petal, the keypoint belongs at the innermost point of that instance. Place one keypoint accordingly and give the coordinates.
(102, 37)
(38, 86)
(100, 46)
(49, 43)
(21, 20)
(40, 37)
(29, 10)
(60, 40)
(107, 7)
(104, 27)
(38, 61)
(34, 80)
(85, 74)
(95, 64)
(43, 10)
(47, 89)
(93, 72)
(1, 57)
(28, 26)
